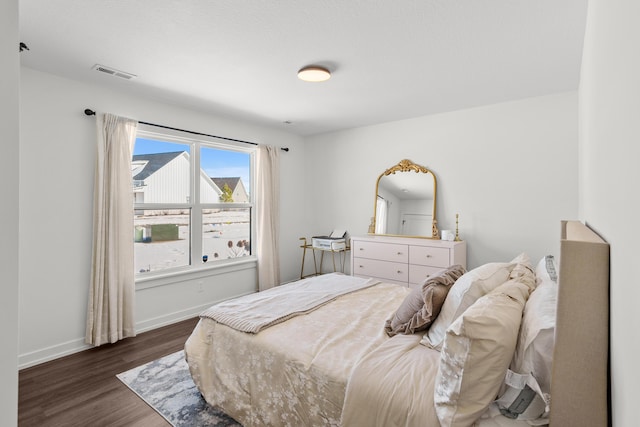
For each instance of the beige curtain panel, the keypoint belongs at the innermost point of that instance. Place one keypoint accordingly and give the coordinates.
(110, 313)
(268, 216)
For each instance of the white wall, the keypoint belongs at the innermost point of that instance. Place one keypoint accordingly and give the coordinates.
(510, 170)
(9, 134)
(609, 175)
(57, 149)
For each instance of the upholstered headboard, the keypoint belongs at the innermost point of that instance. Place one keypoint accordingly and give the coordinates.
(579, 387)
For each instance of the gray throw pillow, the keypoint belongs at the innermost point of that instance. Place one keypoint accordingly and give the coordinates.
(421, 307)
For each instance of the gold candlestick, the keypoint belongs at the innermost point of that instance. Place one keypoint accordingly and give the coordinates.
(457, 239)
(372, 226)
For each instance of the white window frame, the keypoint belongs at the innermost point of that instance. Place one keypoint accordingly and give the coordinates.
(199, 269)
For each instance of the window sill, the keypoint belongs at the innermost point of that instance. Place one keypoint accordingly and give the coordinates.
(220, 267)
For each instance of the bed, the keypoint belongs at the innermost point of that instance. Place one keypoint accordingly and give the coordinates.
(337, 358)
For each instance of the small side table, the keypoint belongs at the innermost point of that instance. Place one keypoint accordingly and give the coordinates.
(341, 252)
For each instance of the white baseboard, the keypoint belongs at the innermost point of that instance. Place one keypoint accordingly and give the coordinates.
(50, 353)
(74, 346)
(168, 319)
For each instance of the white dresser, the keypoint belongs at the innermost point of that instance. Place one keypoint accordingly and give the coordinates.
(403, 260)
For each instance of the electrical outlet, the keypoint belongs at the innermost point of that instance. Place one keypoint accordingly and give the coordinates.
(200, 287)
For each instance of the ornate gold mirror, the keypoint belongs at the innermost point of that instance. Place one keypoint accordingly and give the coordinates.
(405, 202)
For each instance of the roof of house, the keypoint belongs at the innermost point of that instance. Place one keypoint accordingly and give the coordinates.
(232, 182)
(155, 162)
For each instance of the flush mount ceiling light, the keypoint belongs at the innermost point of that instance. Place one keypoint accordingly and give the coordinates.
(314, 73)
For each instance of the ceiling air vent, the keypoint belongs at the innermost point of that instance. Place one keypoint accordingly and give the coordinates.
(114, 72)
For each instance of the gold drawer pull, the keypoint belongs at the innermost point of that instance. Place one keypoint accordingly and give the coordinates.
(428, 255)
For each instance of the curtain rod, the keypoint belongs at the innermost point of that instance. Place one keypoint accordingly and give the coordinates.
(90, 112)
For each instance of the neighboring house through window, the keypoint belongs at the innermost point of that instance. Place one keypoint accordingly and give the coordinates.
(192, 200)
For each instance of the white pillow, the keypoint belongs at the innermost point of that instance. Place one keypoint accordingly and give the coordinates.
(476, 353)
(467, 289)
(546, 269)
(537, 335)
(533, 357)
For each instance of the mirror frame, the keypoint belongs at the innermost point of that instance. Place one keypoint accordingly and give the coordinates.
(406, 165)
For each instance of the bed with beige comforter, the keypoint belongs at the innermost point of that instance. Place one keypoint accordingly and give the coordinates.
(329, 365)
(331, 357)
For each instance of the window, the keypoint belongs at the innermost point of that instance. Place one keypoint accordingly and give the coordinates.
(192, 200)
(382, 211)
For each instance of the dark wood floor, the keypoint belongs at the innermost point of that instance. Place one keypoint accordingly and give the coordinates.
(82, 389)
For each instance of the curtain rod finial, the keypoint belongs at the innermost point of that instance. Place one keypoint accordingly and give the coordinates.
(89, 112)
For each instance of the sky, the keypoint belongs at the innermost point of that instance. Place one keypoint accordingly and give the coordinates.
(216, 163)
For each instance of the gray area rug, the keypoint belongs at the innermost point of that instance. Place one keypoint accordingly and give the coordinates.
(166, 385)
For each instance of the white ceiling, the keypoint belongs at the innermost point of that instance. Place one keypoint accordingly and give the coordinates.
(390, 59)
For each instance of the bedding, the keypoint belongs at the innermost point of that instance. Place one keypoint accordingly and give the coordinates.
(296, 372)
(536, 341)
(394, 385)
(293, 373)
(254, 312)
(422, 306)
(336, 365)
(476, 354)
(529, 377)
(471, 286)
(546, 269)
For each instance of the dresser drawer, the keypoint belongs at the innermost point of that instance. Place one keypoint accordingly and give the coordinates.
(418, 273)
(395, 271)
(426, 255)
(381, 251)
